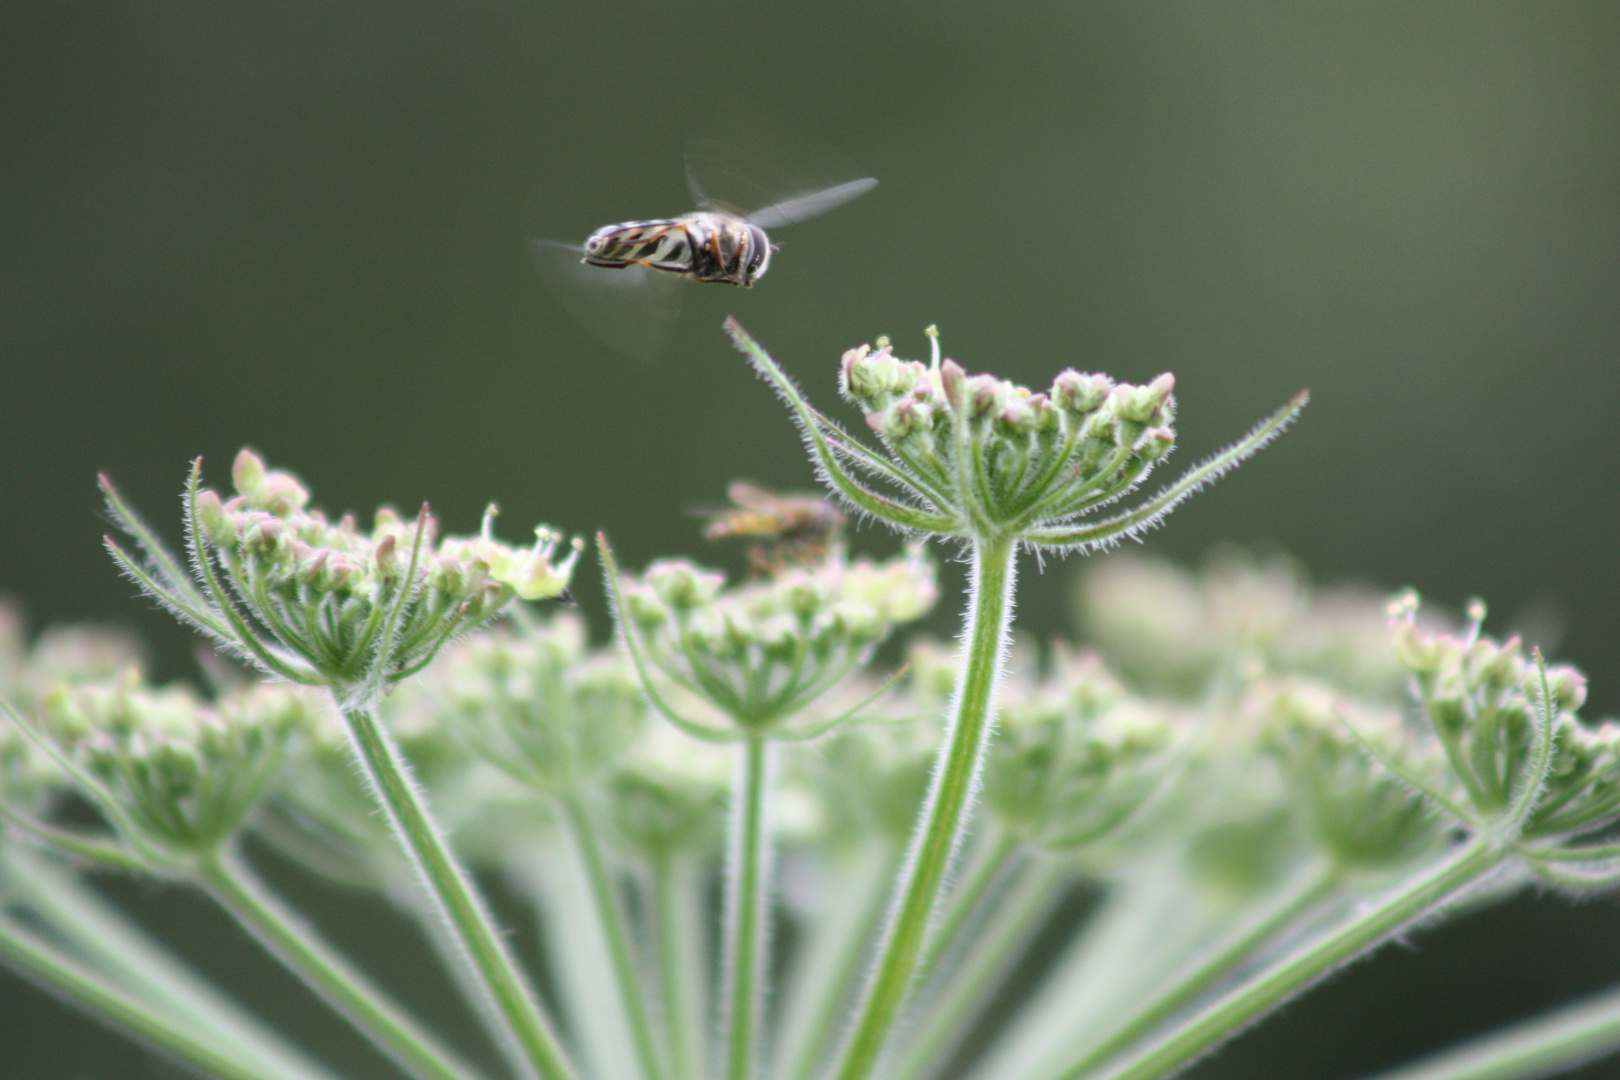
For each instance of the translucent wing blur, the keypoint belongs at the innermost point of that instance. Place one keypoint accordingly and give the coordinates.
(797, 208)
(632, 310)
(728, 179)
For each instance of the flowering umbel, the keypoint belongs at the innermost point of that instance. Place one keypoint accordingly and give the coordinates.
(760, 653)
(176, 774)
(321, 602)
(981, 458)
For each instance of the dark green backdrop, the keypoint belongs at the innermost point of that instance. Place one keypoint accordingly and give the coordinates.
(301, 226)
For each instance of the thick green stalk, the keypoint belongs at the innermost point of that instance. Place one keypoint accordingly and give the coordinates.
(1205, 970)
(509, 1001)
(331, 976)
(1270, 987)
(678, 925)
(1002, 943)
(131, 958)
(65, 977)
(1552, 1042)
(939, 833)
(616, 932)
(747, 873)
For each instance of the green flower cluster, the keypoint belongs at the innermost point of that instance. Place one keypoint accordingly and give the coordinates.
(760, 653)
(176, 774)
(321, 602)
(1034, 457)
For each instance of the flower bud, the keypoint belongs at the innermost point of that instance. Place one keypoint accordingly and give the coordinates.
(1080, 394)
(215, 523)
(681, 585)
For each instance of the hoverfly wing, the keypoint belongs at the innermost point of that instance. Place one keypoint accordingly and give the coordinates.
(632, 310)
(751, 496)
(745, 185)
(797, 208)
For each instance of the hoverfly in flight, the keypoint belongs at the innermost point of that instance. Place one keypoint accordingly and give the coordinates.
(787, 530)
(619, 282)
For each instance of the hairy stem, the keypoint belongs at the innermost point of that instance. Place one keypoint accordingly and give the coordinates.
(940, 830)
(509, 1002)
(747, 876)
(1270, 987)
(616, 932)
(331, 976)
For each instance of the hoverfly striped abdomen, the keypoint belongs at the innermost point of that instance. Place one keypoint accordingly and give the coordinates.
(663, 245)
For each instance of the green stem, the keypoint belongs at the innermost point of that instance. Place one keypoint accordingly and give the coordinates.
(509, 1001)
(837, 943)
(1207, 969)
(331, 976)
(610, 915)
(1006, 936)
(678, 926)
(129, 956)
(939, 833)
(1573, 1035)
(1253, 998)
(747, 875)
(122, 1008)
(987, 869)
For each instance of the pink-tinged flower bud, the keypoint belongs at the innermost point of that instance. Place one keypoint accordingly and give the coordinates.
(1044, 416)
(1015, 417)
(985, 395)
(951, 378)
(1141, 404)
(868, 376)
(214, 519)
(1078, 393)
(390, 564)
(247, 472)
(846, 366)
(908, 416)
(281, 494)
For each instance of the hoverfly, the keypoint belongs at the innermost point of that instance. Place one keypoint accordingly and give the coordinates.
(619, 281)
(787, 530)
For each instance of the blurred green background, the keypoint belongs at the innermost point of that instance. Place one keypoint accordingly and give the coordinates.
(301, 226)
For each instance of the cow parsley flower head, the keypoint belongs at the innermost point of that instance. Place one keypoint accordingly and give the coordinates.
(324, 602)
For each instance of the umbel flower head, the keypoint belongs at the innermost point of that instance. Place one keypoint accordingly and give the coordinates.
(175, 774)
(980, 458)
(760, 653)
(1357, 812)
(1077, 757)
(1523, 765)
(321, 602)
(534, 704)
